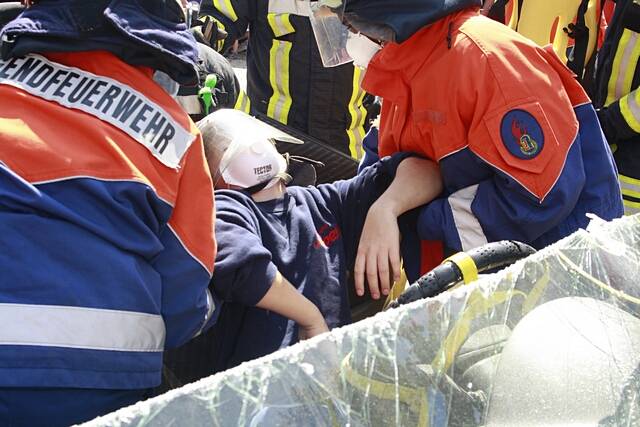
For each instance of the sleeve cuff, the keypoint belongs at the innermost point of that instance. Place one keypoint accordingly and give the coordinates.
(257, 283)
(436, 223)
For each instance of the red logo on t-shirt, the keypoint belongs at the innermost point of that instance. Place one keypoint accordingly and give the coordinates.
(326, 236)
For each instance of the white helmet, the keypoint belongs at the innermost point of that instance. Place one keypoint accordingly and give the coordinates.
(241, 149)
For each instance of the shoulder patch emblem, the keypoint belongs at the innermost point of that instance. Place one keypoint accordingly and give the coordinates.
(521, 134)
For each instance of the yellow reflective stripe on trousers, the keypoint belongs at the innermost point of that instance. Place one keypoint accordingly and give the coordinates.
(280, 24)
(226, 8)
(624, 64)
(243, 103)
(630, 208)
(358, 115)
(280, 101)
(630, 109)
(630, 187)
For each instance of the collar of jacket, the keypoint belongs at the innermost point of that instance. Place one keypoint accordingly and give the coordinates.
(122, 27)
(390, 72)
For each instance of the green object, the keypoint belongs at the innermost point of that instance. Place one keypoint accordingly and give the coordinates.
(206, 92)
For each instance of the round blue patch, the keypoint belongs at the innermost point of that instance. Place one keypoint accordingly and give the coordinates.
(521, 134)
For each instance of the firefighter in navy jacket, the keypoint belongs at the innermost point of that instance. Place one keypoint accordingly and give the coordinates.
(106, 208)
(285, 77)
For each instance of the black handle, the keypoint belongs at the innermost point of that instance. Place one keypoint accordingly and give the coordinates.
(487, 257)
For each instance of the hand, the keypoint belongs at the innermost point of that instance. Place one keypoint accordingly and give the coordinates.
(378, 250)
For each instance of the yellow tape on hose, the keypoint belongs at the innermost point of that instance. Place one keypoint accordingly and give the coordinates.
(466, 265)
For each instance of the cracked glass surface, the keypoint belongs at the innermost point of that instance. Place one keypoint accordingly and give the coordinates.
(553, 339)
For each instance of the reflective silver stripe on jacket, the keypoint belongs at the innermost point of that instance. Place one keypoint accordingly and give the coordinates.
(80, 327)
(104, 98)
(469, 229)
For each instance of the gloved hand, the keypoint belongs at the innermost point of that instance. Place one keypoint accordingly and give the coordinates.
(302, 170)
(209, 31)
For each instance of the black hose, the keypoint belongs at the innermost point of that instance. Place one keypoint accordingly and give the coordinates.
(487, 257)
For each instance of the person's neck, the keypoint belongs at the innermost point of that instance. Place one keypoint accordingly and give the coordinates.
(274, 192)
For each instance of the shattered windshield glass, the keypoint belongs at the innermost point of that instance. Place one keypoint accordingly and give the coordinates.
(553, 339)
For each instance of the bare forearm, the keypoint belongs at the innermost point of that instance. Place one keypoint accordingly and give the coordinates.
(417, 181)
(284, 299)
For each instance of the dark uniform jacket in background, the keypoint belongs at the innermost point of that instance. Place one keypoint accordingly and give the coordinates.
(224, 94)
(618, 80)
(285, 76)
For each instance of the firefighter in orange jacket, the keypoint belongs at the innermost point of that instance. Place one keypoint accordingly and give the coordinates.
(519, 146)
(106, 207)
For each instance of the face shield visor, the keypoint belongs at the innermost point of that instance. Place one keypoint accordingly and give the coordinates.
(331, 34)
(241, 149)
(344, 36)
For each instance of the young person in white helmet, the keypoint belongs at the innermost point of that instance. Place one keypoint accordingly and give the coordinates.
(284, 252)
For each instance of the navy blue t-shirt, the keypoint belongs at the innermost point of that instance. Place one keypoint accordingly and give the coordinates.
(310, 235)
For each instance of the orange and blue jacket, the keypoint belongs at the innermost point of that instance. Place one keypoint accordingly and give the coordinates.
(106, 224)
(520, 150)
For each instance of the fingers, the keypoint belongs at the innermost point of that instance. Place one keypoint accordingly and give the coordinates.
(383, 272)
(375, 266)
(394, 259)
(372, 274)
(359, 270)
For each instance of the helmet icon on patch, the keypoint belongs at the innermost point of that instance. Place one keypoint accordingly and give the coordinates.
(521, 134)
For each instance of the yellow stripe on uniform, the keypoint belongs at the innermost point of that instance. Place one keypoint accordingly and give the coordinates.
(243, 103)
(630, 208)
(358, 115)
(630, 187)
(280, 24)
(226, 8)
(280, 101)
(630, 109)
(623, 68)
